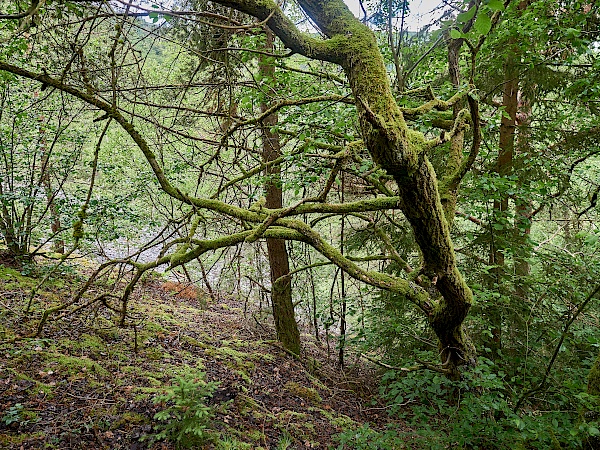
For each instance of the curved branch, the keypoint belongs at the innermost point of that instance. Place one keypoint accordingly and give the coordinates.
(453, 180)
(436, 103)
(33, 8)
(409, 290)
(284, 28)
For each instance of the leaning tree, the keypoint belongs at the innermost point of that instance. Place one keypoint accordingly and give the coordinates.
(403, 178)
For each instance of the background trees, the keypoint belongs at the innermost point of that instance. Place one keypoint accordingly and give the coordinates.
(468, 170)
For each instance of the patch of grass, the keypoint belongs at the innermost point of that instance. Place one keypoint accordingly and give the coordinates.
(336, 419)
(247, 406)
(85, 342)
(239, 343)
(75, 366)
(154, 382)
(6, 333)
(14, 280)
(7, 440)
(165, 313)
(255, 435)
(184, 370)
(195, 342)
(230, 443)
(8, 274)
(316, 382)
(288, 415)
(154, 327)
(298, 424)
(154, 353)
(36, 387)
(129, 418)
(144, 393)
(303, 392)
(235, 360)
(106, 330)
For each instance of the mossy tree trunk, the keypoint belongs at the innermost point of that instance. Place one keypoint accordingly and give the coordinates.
(398, 149)
(401, 151)
(524, 209)
(593, 388)
(457, 141)
(281, 286)
(500, 236)
(594, 378)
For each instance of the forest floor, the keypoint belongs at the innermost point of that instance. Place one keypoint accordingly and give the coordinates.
(85, 383)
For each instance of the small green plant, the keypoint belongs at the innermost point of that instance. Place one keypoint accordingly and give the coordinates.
(14, 415)
(285, 442)
(364, 437)
(230, 443)
(186, 418)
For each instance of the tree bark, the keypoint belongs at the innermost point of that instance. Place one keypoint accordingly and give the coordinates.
(524, 207)
(503, 167)
(455, 156)
(281, 287)
(402, 153)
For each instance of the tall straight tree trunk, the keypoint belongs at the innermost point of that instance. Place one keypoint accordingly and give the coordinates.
(504, 167)
(281, 287)
(523, 207)
(509, 143)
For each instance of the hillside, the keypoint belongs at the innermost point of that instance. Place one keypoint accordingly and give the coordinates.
(88, 384)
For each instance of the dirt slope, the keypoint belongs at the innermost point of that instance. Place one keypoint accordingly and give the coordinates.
(87, 384)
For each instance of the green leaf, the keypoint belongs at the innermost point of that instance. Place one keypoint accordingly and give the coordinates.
(455, 34)
(467, 15)
(483, 24)
(572, 32)
(496, 5)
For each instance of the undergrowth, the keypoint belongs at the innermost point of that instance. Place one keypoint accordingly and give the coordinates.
(185, 417)
(477, 412)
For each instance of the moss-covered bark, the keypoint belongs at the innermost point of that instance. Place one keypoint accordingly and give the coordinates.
(593, 388)
(594, 378)
(455, 154)
(397, 149)
(401, 152)
(281, 286)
